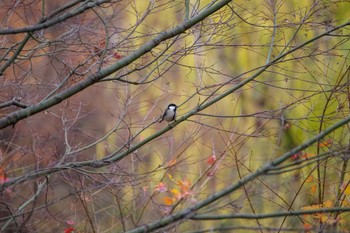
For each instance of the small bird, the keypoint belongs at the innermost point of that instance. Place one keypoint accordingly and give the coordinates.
(170, 113)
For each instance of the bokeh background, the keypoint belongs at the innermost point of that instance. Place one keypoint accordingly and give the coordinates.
(292, 101)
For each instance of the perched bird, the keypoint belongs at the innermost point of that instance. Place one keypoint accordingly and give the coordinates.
(170, 113)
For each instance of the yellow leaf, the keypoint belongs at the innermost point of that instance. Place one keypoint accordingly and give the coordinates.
(100, 150)
(306, 207)
(328, 204)
(311, 207)
(310, 179)
(176, 193)
(171, 177)
(346, 203)
(324, 218)
(346, 188)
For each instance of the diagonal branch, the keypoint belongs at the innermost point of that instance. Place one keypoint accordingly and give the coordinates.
(118, 156)
(44, 23)
(269, 215)
(191, 211)
(14, 117)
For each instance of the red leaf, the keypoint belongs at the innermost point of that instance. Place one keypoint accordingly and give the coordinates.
(69, 230)
(117, 56)
(296, 156)
(211, 159)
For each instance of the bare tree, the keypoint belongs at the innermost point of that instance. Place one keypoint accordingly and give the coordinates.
(260, 141)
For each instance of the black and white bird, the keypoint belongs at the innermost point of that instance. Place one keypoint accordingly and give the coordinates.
(170, 113)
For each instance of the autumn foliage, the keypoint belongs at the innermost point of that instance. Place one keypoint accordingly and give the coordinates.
(261, 138)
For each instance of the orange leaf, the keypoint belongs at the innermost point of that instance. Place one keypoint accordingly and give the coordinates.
(168, 200)
(184, 185)
(313, 189)
(171, 162)
(211, 159)
(326, 204)
(307, 226)
(310, 179)
(326, 143)
(102, 44)
(307, 155)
